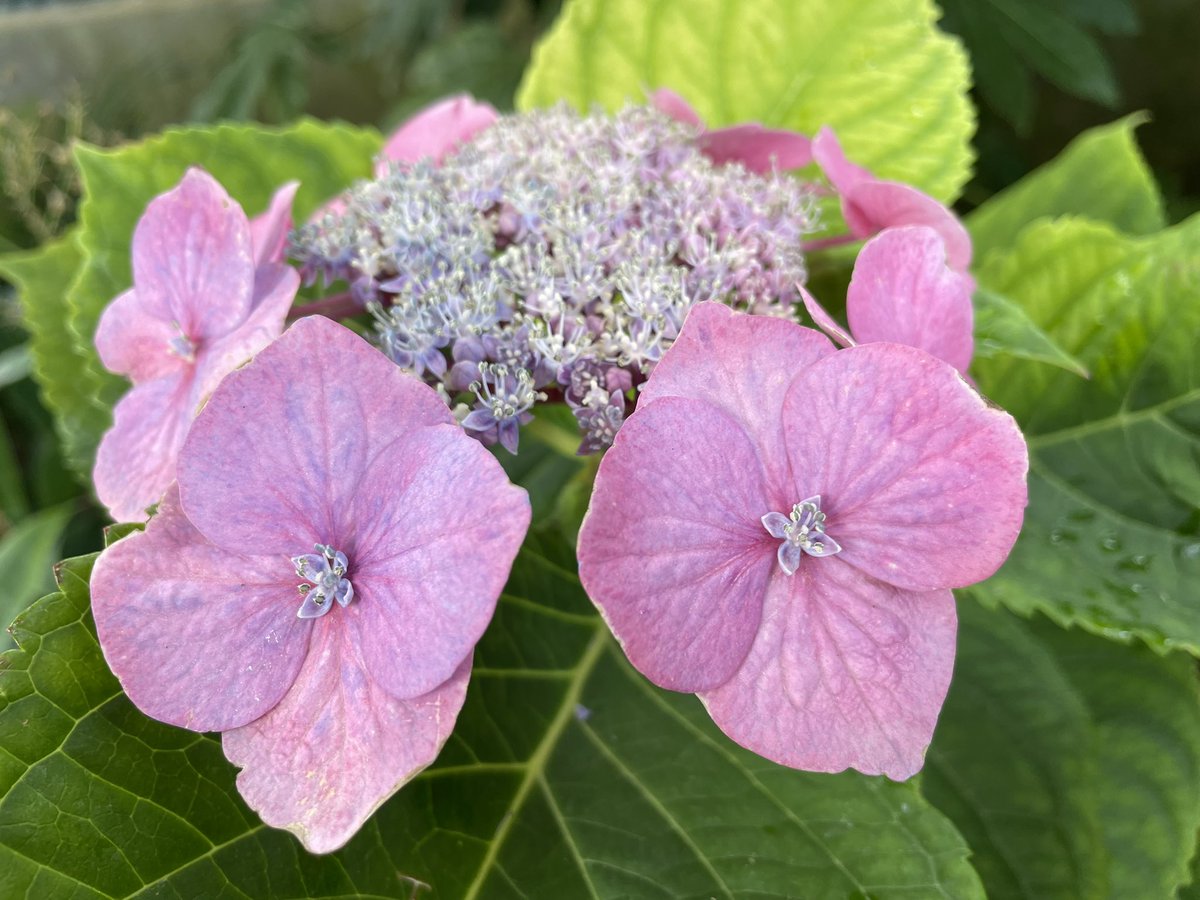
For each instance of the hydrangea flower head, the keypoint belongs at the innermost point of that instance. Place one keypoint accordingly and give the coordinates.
(777, 528)
(871, 204)
(205, 299)
(904, 292)
(316, 584)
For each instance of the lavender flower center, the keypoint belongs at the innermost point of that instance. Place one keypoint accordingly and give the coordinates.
(182, 346)
(801, 532)
(325, 581)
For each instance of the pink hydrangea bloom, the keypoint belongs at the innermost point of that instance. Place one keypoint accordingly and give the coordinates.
(201, 305)
(316, 585)
(903, 291)
(777, 528)
(870, 204)
(758, 148)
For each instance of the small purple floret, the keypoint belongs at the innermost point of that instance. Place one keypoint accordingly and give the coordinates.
(802, 531)
(325, 582)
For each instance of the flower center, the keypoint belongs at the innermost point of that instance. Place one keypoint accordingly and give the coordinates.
(182, 346)
(325, 581)
(801, 532)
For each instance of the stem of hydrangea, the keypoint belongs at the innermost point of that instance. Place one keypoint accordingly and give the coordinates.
(336, 306)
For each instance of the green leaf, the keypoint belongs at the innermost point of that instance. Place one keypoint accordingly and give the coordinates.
(1100, 175)
(28, 552)
(16, 363)
(250, 161)
(878, 71)
(1002, 327)
(1071, 764)
(43, 277)
(1146, 714)
(1013, 764)
(568, 775)
(1112, 533)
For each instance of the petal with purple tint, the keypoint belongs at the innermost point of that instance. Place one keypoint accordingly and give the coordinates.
(922, 482)
(273, 461)
(759, 149)
(743, 365)
(876, 205)
(824, 320)
(338, 744)
(135, 462)
(903, 291)
(269, 229)
(198, 637)
(846, 672)
(133, 341)
(437, 130)
(673, 549)
(667, 101)
(439, 525)
(192, 258)
(275, 289)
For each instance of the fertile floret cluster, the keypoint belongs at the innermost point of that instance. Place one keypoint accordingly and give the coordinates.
(555, 256)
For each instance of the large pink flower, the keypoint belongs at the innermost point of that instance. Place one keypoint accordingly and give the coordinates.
(871, 204)
(318, 466)
(204, 300)
(903, 291)
(778, 525)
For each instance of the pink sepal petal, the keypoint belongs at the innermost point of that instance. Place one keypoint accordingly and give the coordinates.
(437, 130)
(192, 258)
(338, 745)
(870, 205)
(823, 319)
(135, 462)
(439, 525)
(743, 365)
(673, 550)
(846, 672)
(197, 637)
(667, 101)
(288, 492)
(133, 341)
(923, 483)
(902, 291)
(757, 148)
(269, 229)
(275, 289)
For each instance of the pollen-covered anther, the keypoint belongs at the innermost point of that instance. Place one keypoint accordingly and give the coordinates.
(325, 581)
(803, 531)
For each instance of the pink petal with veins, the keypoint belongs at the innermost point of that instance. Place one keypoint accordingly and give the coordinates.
(269, 229)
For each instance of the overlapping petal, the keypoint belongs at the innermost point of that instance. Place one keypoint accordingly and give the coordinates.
(742, 365)
(132, 341)
(193, 262)
(135, 462)
(846, 672)
(902, 291)
(292, 487)
(672, 549)
(338, 744)
(922, 481)
(870, 205)
(269, 229)
(197, 637)
(437, 130)
(438, 524)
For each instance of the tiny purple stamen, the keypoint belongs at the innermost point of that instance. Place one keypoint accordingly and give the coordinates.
(802, 531)
(325, 582)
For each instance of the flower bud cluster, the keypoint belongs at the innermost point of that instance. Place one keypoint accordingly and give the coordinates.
(555, 256)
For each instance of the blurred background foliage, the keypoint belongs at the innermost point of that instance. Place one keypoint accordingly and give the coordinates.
(108, 70)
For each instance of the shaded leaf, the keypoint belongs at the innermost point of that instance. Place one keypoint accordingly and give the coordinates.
(1112, 533)
(1100, 175)
(1002, 327)
(878, 71)
(28, 552)
(568, 775)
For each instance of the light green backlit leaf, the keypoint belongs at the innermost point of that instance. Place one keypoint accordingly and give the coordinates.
(1002, 327)
(878, 71)
(568, 775)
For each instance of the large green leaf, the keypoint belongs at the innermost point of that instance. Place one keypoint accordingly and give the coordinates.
(250, 161)
(1071, 764)
(1112, 534)
(1101, 175)
(878, 71)
(568, 775)
(28, 552)
(43, 277)
(1003, 327)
